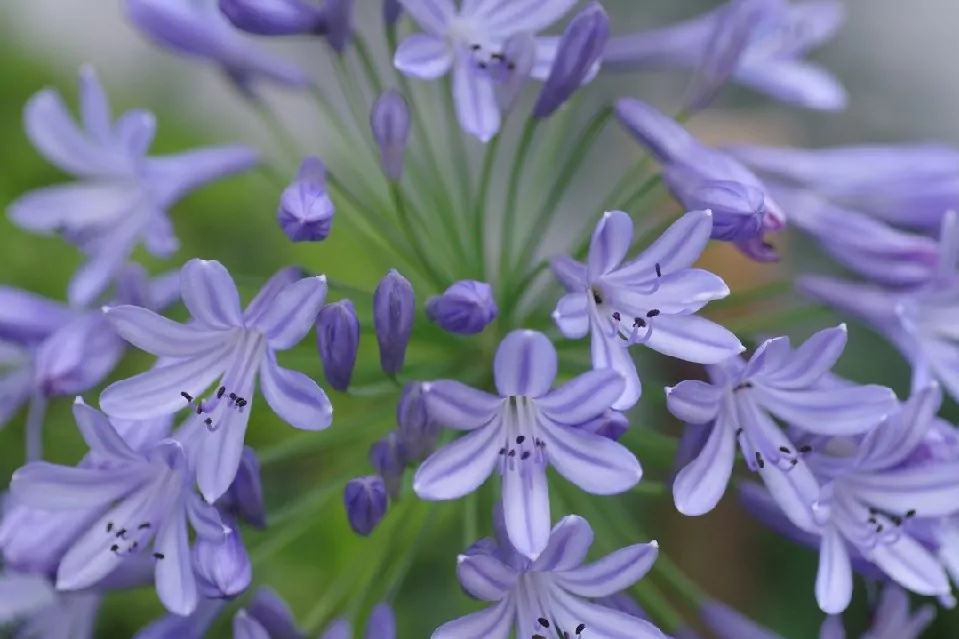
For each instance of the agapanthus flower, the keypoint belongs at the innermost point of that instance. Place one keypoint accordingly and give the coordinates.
(543, 596)
(469, 41)
(306, 211)
(388, 457)
(333, 21)
(31, 607)
(366, 501)
(227, 345)
(649, 300)
(123, 196)
(394, 307)
(465, 308)
(918, 321)
(522, 430)
(703, 178)
(906, 185)
(791, 384)
(771, 62)
(142, 500)
(390, 125)
(198, 29)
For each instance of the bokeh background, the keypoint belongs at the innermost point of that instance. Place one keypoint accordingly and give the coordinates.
(897, 60)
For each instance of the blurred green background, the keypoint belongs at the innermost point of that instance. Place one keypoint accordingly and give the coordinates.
(309, 554)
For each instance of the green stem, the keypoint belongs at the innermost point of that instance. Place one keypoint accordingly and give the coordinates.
(459, 147)
(479, 209)
(366, 60)
(509, 216)
(345, 431)
(288, 144)
(413, 237)
(470, 516)
(400, 573)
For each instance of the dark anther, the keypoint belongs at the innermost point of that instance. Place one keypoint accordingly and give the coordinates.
(543, 622)
(241, 402)
(652, 313)
(525, 455)
(109, 527)
(784, 449)
(597, 298)
(185, 395)
(805, 449)
(639, 322)
(538, 637)
(114, 548)
(220, 391)
(482, 65)
(879, 528)
(520, 439)
(143, 526)
(872, 520)
(134, 546)
(511, 66)
(580, 628)
(474, 47)
(199, 409)
(121, 533)
(739, 431)
(497, 56)
(759, 460)
(502, 451)
(232, 396)
(659, 270)
(793, 462)
(208, 421)
(617, 316)
(743, 385)
(873, 511)
(910, 513)
(896, 519)
(159, 555)
(512, 453)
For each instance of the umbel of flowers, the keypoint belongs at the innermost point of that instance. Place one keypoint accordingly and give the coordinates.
(481, 333)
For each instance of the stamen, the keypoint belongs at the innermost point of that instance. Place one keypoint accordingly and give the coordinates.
(805, 449)
(525, 455)
(580, 628)
(121, 533)
(220, 391)
(109, 527)
(652, 313)
(743, 386)
(520, 439)
(185, 395)
(659, 270)
(784, 449)
(597, 297)
(543, 622)
(114, 548)
(759, 460)
(143, 526)
(159, 555)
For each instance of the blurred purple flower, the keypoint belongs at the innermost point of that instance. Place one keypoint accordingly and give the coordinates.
(390, 124)
(465, 308)
(334, 20)
(306, 211)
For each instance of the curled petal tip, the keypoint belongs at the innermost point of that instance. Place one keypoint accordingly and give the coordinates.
(669, 389)
(321, 278)
(427, 387)
(654, 544)
(843, 327)
(78, 400)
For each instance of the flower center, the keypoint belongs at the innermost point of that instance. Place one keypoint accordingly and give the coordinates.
(521, 448)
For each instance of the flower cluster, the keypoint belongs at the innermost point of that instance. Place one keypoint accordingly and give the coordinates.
(483, 378)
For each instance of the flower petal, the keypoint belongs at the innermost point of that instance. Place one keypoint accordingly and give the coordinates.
(846, 410)
(100, 435)
(595, 463)
(832, 628)
(458, 468)
(94, 107)
(600, 620)
(49, 486)
(526, 508)
(294, 397)
(246, 627)
(582, 398)
(265, 297)
(433, 15)
(423, 56)
(572, 315)
(929, 490)
(894, 440)
(794, 82)
(485, 577)
(24, 595)
(175, 581)
(525, 364)
(678, 248)
(811, 361)
(381, 624)
(693, 339)
(28, 318)
(474, 96)
(210, 294)
(909, 563)
(162, 337)
(694, 401)
(293, 312)
(609, 244)
(607, 353)
(727, 623)
(701, 484)
(491, 623)
(205, 519)
(834, 579)
(570, 273)
(615, 572)
(455, 405)
(506, 18)
(218, 456)
(569, 541)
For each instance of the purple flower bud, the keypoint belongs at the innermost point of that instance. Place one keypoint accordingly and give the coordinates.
(394, 305)
(338, 340)
(418, 433)
(519, 52)
(306, 210)
(465, 308)
(244, 498)
(222, 568)
(579, 50)
(388, 459)
(611, 425)
(78, 356)
(390, 123)
(273, 17)
(246, 627)
(382, 623)
(738, 209)
(366, 502)
(392, 9)
(338, 23)
(273, 615)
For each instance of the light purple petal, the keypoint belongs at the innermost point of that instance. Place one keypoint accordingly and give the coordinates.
(910, 564)
(433, 15)
(830, 411)
(600, 620)
(615, 572)
(49, 486)
(455, 405)
(294, 397)
(526, 508)
(75, 206)
(928, 490)
(209, 293)
(95, 275)
(727, 623)
(485, 577)
(246, 627)
(491, 623)
(162, 337)
(694, 401)
(292, 313)
(570, 273)
(24, 595)
(678, 248)
(423, 56)
(572, 315)
(338, 629)
(15, 389)
(176, 175)
(812, 360)
(525, 364)
(94, 107)
(265, 297)
(834, 579)
(218, 455)
(134, 132)
(27, 318)
(474, 96)
(693, 339)
(205, 519)
(607, 353)
(583, 398)
(175, 582)
(100, 435)
(701, 484)
(902, 432)
(569, 541)
(595, 463)
(610, 243)
(680, 293)
(506, 18)
(381, 624)
(663, 136)
(832, 628)
(459, 468)
(798, 83)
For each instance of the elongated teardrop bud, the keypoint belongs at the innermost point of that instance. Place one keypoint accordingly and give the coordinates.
(338, 341)
(366, 503)
(394, 306)
(390, 123)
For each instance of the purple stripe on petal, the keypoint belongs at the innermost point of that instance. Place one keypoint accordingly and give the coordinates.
(610, 243)
(459, 468)
(292, 313)
(455, 405)
(485, 577)
(294, 397)
(491, 623)
(210, 294)
(583, 398)
(611, 574)
(834, 579)
(569, 541)
(526, 508)
(525, 364)
(594, 463)
(160, 336)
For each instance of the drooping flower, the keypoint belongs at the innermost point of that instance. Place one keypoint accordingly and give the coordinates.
(793, 385)
(465, 308)
(542, 596)
(228, 346)
(123, 196)
(649, 300)
(141, 499)
(771, 62)
(703, 178)
(394, 307)
(197, 28)
(469, 41)
(306, 211)
(522, 430)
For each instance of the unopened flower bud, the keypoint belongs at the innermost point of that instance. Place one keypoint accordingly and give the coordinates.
(382, 623)
(273, 17)
(338, 340)
(611, 425)
(337, 24)
(306, 210)
(394, 305)
(738, 209)
(392, 9)
(418, 433)
(244, 498)
(465, 308)
(390, 123)
(366, 502)
(388, 459)
(223, 567)
(273, 615)
(577, 54)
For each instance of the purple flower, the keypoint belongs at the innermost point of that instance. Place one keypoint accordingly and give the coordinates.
(782, 381)
(648, 300)
(703, 178)
(222, 567)
(338, 341)
(536, 597)
(392, 10)
(33, 608)
(908, 185)
(465, 308)
(274, 17)
(140, 499)
(306, 211)
(390, 123)
(522, 430)
(194, 626)
(244, 499)
(227, 346)
(388, 458)
(469, 41)
(394, 306)
(576, 59)
(273, 615)
(197, 29)
(122, 196)
(418, 431)
(770, 61)
(366, 502)
(612, 424)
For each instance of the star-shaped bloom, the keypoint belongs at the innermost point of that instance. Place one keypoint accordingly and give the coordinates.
(227, 346)
(793, 385)
(520, 431)
(542, 597)
(140, 499)
(470, 41)
(649, 300)
(771, 61)
(122, 196)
